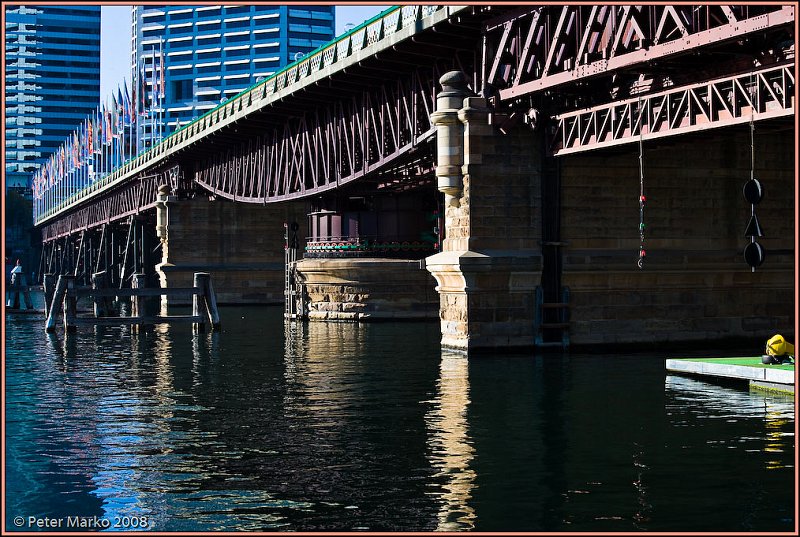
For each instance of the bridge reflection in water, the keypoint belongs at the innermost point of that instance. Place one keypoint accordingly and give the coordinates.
(336, 426)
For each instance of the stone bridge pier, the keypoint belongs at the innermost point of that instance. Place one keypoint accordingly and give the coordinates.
(241, 245)
(491, 262)
(517, 220)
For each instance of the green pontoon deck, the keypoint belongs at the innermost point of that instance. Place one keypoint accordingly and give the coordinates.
(778, 378)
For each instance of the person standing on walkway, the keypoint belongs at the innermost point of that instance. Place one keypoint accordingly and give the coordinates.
(18, 281)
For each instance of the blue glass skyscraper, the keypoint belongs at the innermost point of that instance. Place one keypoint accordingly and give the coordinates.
(211, 53)
(52, 81)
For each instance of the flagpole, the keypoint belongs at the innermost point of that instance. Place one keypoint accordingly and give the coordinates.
(158, 82)
(135, 83)
(122, 118)
(106, 156)
(152, 94)
(85, 154)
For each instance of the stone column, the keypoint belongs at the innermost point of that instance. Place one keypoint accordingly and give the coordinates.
(490, 265)
(450, 136)
(163, 200)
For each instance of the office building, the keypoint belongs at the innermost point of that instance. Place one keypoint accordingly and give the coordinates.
(198, 56)
(52, 81)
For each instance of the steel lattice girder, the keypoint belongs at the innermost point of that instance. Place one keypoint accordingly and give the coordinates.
(131, 198)
(538, 47)
(393, 38)
(327, 146)
(764, 94)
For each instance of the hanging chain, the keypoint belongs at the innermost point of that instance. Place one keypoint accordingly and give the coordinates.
(642, 199)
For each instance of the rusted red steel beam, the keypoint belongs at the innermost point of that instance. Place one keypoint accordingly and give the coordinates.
(326, 147)
(133, 198)
(766, 93)
(535, 48)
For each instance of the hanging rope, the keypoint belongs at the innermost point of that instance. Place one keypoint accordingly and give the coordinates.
(752, 147)
(642, 199)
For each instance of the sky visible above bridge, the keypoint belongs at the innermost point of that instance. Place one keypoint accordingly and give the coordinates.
(115, 40)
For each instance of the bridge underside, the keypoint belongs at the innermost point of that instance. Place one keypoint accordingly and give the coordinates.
(694, 284)
(569, 115)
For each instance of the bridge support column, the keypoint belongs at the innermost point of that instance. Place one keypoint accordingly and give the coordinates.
(490, 265)
(239, 244)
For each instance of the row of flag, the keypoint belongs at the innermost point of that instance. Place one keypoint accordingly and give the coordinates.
(107, 138)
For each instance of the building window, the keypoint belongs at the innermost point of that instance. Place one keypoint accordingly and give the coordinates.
(231, 10)
(208, 42)
(181, 90)
(209, 26)
(237, 53)
(237, 38)
(178, 17)
(237, 24)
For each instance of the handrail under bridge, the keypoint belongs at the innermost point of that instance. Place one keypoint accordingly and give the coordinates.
(379, 33)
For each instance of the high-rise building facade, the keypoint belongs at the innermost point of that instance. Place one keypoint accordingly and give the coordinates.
(198, 56)
(52, 81)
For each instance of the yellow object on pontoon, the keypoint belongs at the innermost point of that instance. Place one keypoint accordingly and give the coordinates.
(778, 346)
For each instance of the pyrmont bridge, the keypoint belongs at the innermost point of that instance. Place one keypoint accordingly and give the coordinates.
(530, 175)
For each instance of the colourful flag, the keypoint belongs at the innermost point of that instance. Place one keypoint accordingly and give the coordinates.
(107, 128)
(98, 130)
(120, 110)
(142, 91)
(161, 69)
(114, 116)
(89, 137)
(134, 102)
(75, 148)
(126, 107)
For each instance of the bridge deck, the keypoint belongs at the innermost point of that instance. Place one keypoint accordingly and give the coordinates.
(365, 41)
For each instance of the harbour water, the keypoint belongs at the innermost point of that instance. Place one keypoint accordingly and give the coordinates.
(315, 427)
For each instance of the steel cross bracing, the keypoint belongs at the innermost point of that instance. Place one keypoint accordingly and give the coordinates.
(326, 147)
(762, 94)
(535, 48)
(135, 196)
(397, 27)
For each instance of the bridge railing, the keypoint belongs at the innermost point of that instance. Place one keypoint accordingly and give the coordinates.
(326, 58)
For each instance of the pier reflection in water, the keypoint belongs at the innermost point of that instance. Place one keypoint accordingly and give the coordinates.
(343, 426)
(450, 448)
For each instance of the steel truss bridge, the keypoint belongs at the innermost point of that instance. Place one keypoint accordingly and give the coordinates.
(358, 109)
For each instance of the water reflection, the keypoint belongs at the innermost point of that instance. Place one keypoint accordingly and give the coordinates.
(324, 365)
(642, 515)
(349, 415)
(777, 425)
(450, 447)
(342, 427)
(694, 399)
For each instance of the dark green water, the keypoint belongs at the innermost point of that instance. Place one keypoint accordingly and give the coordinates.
(347, 427)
